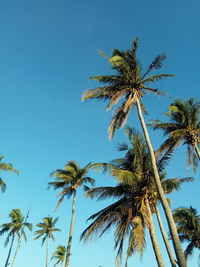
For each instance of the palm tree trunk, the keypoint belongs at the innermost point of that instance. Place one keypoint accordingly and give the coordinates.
(68, 251)
(16, 251)
(172, 227)
(47, 252)
(154, 238)
(170, 254)
(7, 260)
(197, 150)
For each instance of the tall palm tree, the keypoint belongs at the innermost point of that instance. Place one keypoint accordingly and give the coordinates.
(59, 255)
(46, 230)
(14, 228)
(5, 167)
(184, 127)
(68, 180)
(137, 161)
(188, 225)
(130, 85)
(138, 150)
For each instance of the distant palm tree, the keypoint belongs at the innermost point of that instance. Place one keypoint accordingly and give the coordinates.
(68, 180)
(184, 128)
(59, 255)
(14, 228)
(47, 228)
(188, 225)
(5, 167)
(129, 85)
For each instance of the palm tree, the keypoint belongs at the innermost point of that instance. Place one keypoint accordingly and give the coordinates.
(131, 172)
(188, 225)
(59, 255)
(137, 161)
(127, 215)
(47, 227)
(68, 180)
(184, 127)
(14, 228)
(5, 167)
(19, 239)
(130, 85)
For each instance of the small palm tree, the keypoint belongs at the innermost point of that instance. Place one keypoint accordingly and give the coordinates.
(130, 85)
(68, 180)
(5, 167)
(188, 225)
(47, 228)
(14, 228)
(59, 255)
(184, 127)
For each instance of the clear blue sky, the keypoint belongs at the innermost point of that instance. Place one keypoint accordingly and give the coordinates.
(48, 50)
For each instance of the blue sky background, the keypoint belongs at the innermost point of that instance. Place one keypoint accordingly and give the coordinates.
(48, 50)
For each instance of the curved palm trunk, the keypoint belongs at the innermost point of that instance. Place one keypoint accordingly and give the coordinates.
(7, 260)
(197, 150)
(170, 254)
(47, 253)
(172, 227)
(70, 232)
(154, 238)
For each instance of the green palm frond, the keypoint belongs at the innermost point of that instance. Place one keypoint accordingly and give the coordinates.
(126, 86)
(46, 229)
(69, 179)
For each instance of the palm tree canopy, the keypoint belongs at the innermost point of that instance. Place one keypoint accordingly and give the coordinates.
(16, 226)
(59, 254)
(5, 167)
(47, 227)
(184, 127)
(128, 84)
(70, 178)
(135, 183)
(188, 226)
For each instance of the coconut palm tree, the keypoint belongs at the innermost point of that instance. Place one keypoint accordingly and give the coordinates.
(188, 225)
(19, 240)
(137, 161)
(14, 228)
(69, 180)
(46, 230)
(5, 167)
(59, 255)
(184, 127)
(127, 215)
(130, 85)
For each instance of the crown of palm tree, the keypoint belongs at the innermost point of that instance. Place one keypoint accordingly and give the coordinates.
(59, 254)
(135, 176)
(129, 84)
(16, 226)
(47, 227)
(184, 127)
(5, 167)
(188, 226)
(70, 178)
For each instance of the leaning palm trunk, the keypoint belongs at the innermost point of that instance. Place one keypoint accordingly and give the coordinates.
(154, 238)
(7, 260)
(197, 150)
(68, 251)
(16, 251)
(172, 227)
(169, 251)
